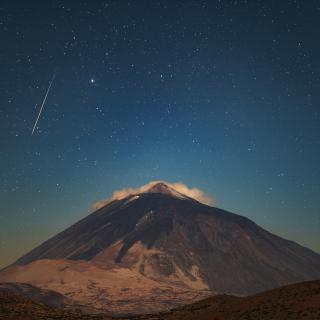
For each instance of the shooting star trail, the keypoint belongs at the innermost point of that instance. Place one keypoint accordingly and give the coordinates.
(43, 103)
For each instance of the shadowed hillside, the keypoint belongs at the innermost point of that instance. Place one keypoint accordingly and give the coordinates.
(17, 307)
(294, 302)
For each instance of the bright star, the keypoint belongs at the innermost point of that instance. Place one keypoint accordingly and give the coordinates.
(92, 80)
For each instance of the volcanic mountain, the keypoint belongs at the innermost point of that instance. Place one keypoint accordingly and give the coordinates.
(165, 249)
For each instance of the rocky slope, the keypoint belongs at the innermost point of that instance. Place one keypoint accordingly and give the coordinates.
(293, 302)
(118, 290)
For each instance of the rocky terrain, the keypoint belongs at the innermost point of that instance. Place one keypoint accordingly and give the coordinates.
(119, 290)
(294, 302)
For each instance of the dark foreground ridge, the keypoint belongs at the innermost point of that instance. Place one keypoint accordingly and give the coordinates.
(165, 249)
(294, 302)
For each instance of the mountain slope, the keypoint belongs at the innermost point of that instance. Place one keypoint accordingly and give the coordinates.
(117, 291)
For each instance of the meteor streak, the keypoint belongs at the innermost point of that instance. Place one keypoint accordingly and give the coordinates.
(43, 103)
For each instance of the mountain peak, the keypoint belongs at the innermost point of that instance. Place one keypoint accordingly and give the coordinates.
(163, 188)
(159, 187)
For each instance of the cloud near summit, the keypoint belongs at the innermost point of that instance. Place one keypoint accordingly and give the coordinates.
(194, 193)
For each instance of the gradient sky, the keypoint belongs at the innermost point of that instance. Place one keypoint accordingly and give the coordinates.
(221, 95)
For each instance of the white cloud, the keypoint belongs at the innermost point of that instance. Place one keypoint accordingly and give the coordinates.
(194, 193)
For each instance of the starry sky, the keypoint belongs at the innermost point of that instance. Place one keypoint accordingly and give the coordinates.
(220, 95)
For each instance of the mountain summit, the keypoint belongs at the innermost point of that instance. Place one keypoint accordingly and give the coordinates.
(160, 187)
(164, 188)
(164, 248)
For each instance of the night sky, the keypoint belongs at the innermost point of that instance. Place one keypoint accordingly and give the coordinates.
(220, 95)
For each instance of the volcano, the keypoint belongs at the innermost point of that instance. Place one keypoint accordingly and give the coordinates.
(157, 249)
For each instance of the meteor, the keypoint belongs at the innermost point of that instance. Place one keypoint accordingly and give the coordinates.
(43, 103)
